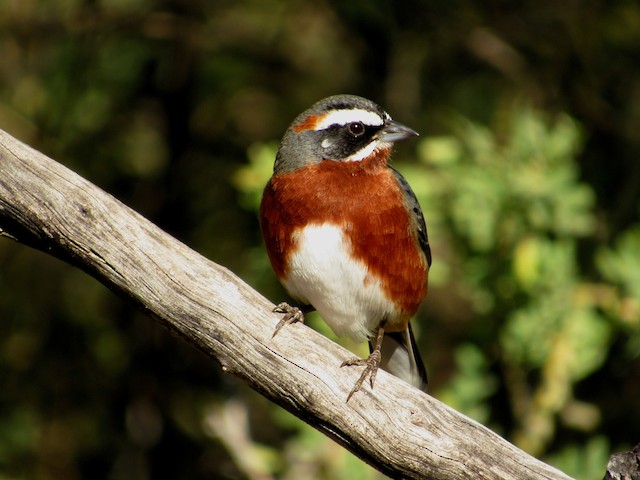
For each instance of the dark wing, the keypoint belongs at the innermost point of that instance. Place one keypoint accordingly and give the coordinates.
(418, 219)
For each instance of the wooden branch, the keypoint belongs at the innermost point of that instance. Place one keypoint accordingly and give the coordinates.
(622, 466)
(396, 428)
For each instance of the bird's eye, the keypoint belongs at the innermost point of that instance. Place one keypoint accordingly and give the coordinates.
(356, 128)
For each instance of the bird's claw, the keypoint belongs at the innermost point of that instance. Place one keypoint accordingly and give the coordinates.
(371, 364)
(291, 315)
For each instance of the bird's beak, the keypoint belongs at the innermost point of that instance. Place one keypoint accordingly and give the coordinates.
(394, 131)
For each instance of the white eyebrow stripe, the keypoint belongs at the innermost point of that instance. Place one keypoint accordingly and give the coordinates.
(345, 117)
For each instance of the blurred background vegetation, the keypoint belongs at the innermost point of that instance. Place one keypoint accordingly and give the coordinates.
(527, 169)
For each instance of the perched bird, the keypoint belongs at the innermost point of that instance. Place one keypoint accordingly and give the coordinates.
(345, 234)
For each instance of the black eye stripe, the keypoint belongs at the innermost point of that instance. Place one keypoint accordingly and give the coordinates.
(366, 128)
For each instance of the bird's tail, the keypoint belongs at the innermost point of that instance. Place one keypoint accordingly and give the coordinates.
(401, 358)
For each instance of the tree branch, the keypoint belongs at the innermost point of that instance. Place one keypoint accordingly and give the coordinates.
(396, 428)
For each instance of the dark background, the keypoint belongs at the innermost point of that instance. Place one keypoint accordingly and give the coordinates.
(527, 170)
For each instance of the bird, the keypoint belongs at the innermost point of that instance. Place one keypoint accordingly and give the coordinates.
(345, 234)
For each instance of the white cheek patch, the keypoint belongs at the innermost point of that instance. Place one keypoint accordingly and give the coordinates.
(326, 143)
(364, 152)
(368, 150)
(345, 117)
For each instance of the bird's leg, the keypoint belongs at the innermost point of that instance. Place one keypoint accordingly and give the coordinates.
(372, 363)
(291, 314)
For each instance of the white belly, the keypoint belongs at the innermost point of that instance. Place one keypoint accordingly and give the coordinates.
(323, 274)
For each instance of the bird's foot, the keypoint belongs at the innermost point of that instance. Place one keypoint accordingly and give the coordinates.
(291, 315)
(371, 364)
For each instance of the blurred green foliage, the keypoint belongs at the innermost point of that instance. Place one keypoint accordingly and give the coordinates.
(515, 207)
(527, 172)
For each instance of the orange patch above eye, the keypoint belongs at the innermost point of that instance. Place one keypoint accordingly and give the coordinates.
(309, 123)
